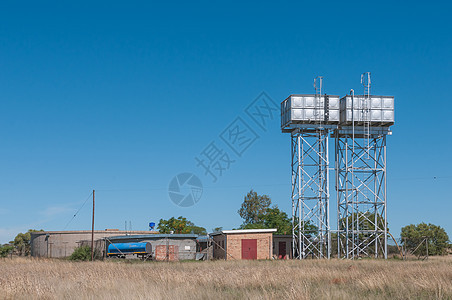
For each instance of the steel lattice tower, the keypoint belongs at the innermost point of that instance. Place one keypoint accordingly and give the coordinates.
(310, 194)
(310, 183)
(361, 193)
(359, 125)
(361, 179)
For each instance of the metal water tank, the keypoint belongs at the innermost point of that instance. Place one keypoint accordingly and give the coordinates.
(130, 248)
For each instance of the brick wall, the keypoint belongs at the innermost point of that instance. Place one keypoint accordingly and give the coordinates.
(234, 245)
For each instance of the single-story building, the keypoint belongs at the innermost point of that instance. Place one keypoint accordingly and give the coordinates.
(282, 246)
(243, 244)
(59, 244)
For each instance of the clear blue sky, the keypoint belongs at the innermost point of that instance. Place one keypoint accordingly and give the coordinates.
(120, 98)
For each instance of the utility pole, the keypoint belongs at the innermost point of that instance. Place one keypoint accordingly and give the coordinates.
(167, 249)
(92, 233)
(404, 252)
(426, 245)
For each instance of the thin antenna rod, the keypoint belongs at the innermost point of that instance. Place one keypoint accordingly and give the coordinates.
(92, 234)
(365, 81)
(354, 201)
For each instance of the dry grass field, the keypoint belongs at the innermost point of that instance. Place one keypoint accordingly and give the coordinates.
(364, 279)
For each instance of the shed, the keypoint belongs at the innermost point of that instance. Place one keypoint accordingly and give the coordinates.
(164, 246)
(243, 244)
(282, 246)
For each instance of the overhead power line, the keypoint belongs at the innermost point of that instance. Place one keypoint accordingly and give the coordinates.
(73, 217)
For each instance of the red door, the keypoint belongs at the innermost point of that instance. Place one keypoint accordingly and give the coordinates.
(282, 250)
(249, 249)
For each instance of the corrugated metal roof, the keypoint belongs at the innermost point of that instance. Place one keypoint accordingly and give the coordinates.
(95, 231)
(155, 236)
(242, 231)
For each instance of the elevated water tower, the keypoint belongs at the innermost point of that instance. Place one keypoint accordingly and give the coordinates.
(309, 119)
(359, 125)
(360, 155)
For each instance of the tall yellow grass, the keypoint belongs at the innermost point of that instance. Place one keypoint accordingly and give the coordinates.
(312, 279)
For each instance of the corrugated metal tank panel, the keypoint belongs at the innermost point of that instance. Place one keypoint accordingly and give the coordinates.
(307, 109)
(378, 110)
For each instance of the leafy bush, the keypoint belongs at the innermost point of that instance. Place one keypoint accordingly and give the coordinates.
(414, 237)
(5, 250)
(84, 253)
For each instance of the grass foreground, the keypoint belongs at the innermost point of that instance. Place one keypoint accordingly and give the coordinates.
(22, 278)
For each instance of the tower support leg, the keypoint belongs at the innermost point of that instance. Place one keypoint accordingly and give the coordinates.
(310, 194)
(361, 195)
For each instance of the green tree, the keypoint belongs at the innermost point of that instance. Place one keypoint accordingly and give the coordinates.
(6, 249)
(197, 229)
(308, 228)
(22, 242)
(217, 229)
(254, 206)
(253, 226)
(415, 235)
(257, 214)
(179, 225)
(272, 218)
(365, 220)
(275, 218)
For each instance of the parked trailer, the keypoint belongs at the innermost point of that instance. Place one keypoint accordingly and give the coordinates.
(122, 250)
